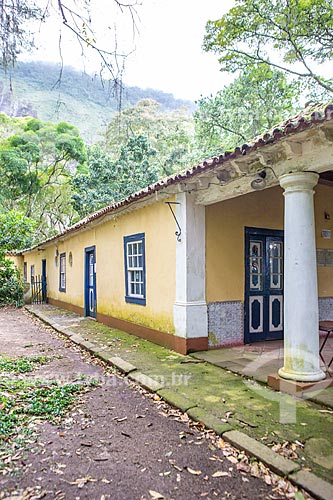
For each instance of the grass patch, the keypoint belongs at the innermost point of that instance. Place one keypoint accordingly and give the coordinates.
(23, 401)
(22, 365)
(27, 401)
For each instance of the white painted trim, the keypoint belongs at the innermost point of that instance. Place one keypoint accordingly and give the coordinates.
(191, 320)
(190, 309)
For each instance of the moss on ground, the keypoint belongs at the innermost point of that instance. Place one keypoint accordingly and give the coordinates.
(278, 420)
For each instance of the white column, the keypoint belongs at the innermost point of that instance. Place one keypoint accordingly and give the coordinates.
(301, 335)
(190, 309)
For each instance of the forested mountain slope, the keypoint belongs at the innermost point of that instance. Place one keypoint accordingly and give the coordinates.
(42, 91)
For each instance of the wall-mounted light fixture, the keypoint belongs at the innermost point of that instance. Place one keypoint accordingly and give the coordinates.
(70, 258)
(223, 175)
(259, 181)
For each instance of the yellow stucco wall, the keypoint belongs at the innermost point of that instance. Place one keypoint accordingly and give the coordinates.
(225, 222)
(324, 203)
(158, 225)
(17, 260)
(34, 259)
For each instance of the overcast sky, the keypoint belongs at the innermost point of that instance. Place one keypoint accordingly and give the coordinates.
(168, 54)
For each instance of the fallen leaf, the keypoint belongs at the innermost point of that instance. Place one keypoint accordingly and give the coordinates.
(176, 467)
(249, 424)
(268, 479)
(183, 361)
(220, 473)
(102, 457)
(120, 419)
(194, 472)
(126, 435)
(255, 470)
(81, 481)
(155, 495)
(243, 467)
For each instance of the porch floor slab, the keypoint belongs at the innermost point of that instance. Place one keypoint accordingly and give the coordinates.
(262, 359)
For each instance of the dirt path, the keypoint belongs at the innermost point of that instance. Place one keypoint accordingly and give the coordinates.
(118, 442)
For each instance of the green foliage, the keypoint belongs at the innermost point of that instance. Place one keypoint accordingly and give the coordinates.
(33, 125)
(51, 402)
(11, 283)
(169, 134)
(36, 165)
(105, 181)
(22, 401)
(16, 230)
(22, 365)
(258, 99)
(292, 35)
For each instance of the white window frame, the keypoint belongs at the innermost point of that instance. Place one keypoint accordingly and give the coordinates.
(62, 272)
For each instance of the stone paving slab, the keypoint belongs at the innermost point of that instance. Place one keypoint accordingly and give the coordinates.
(314, 485)
(146, 381)
(122, 365)
(281, 465)
(201, 415)
(176, 399)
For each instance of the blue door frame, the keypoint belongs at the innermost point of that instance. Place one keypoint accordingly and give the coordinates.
(90, 299)
(44, 289)
(263, 300)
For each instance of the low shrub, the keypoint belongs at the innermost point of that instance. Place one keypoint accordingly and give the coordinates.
(11, 283)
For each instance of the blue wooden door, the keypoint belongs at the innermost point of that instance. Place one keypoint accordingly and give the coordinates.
(263, 285)
(90, 282)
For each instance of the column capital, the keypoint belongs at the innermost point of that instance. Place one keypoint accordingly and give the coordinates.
(299, 181)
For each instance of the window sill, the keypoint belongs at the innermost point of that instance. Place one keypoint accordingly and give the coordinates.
(135, 300)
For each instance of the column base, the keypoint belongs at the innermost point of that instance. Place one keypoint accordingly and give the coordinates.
(301, 376)
(190, 319)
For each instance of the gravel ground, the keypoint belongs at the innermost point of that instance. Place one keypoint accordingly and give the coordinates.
(119, 441)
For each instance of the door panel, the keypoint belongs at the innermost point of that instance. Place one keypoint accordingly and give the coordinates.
(263, 284)
(90, 282)
(256, 319)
